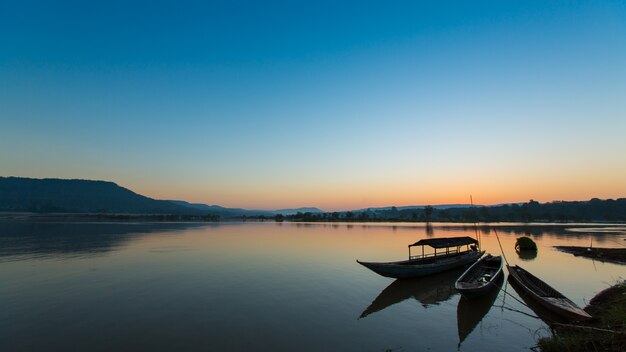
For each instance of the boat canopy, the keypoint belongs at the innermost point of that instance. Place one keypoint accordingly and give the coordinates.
(445, 242)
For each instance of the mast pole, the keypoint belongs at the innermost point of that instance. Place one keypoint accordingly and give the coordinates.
(475, 224)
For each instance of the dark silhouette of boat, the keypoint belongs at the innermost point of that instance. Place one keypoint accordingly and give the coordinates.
(543, 313)
(480, 278)
(546, 295)
(470, 312)
(426, 290)
(454, 256)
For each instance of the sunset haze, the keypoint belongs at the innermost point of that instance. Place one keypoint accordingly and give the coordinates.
(334, 105)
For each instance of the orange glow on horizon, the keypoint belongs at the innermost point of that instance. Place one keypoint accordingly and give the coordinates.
(349, 197)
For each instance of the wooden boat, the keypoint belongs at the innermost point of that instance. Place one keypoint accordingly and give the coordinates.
(425, 264)
(545, 295)
(470, 312)
(542, 312)
(480, 277)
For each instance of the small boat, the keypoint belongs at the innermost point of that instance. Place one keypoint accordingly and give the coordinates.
(470, 312)
(548, 316)
(545, 295)
(480, 277)
(425, 264)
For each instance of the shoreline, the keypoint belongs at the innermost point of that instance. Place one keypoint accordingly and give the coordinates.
(605, 332)
(610, 255)
(30, 216)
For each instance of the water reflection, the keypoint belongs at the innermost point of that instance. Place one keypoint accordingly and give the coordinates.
(427, 290)
(26, 239)
(430, 231)
(205, 287)
(527, 255)
(470, 312)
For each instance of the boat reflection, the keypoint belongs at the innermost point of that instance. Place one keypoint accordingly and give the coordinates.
(427, 290)
(470, 312)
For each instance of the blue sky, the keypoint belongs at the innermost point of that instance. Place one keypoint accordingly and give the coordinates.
(276, 104)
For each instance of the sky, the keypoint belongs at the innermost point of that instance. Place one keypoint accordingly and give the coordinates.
(338, 105)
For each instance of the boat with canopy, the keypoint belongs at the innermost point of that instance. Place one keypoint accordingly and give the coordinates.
(449, 253)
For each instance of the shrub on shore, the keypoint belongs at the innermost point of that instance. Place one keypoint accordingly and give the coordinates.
(525, 244)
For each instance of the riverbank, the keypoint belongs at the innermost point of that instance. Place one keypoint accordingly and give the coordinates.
(605, 332)
(612, 255)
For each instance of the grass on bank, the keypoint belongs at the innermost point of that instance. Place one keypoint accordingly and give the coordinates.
(608, 309)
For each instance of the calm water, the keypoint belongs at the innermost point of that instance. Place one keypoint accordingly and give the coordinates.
(266, 286)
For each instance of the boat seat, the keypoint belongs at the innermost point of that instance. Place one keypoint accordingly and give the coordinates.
(485, 278)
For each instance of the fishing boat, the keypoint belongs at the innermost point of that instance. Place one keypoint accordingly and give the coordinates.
(480, 277)
(470, 312)
(545, 295)
(451, 255)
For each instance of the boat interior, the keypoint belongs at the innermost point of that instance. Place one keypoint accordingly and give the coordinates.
(536, 285)
(485, 271)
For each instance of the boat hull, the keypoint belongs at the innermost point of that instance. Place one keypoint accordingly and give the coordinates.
(556, 302)
(407, 270)
(475, 289)
(470, 312)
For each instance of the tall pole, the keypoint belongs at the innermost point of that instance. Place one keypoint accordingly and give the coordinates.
(501, 250)
(475, 224)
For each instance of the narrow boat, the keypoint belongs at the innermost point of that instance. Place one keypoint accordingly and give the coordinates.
(470, 312)
(545, 295)
(452, 256)
(480, 277)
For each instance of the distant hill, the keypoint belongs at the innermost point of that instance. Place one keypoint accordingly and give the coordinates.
(49, 195)
(19, 194)
(79, 196)
(238, 212)
(222, 211)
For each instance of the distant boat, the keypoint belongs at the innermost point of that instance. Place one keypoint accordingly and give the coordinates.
(480, 278)
(545, 295)
(427, 264)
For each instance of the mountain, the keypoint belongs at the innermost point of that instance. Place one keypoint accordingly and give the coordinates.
(222, 211)
(79, 196)
(49, 195)
(238, 212)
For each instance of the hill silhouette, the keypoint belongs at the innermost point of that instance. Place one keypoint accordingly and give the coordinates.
(51, 195)
(19, 194)
(79, 196)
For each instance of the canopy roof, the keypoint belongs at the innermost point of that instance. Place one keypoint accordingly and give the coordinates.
(445, 242)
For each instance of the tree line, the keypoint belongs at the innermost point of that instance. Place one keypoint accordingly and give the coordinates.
(532, 211)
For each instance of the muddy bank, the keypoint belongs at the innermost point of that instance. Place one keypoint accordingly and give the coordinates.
(605, 332)
(612, 255)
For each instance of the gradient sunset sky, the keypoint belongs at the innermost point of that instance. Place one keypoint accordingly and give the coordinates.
(336, 104)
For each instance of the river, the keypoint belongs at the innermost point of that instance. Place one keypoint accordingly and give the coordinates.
(241, 286)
